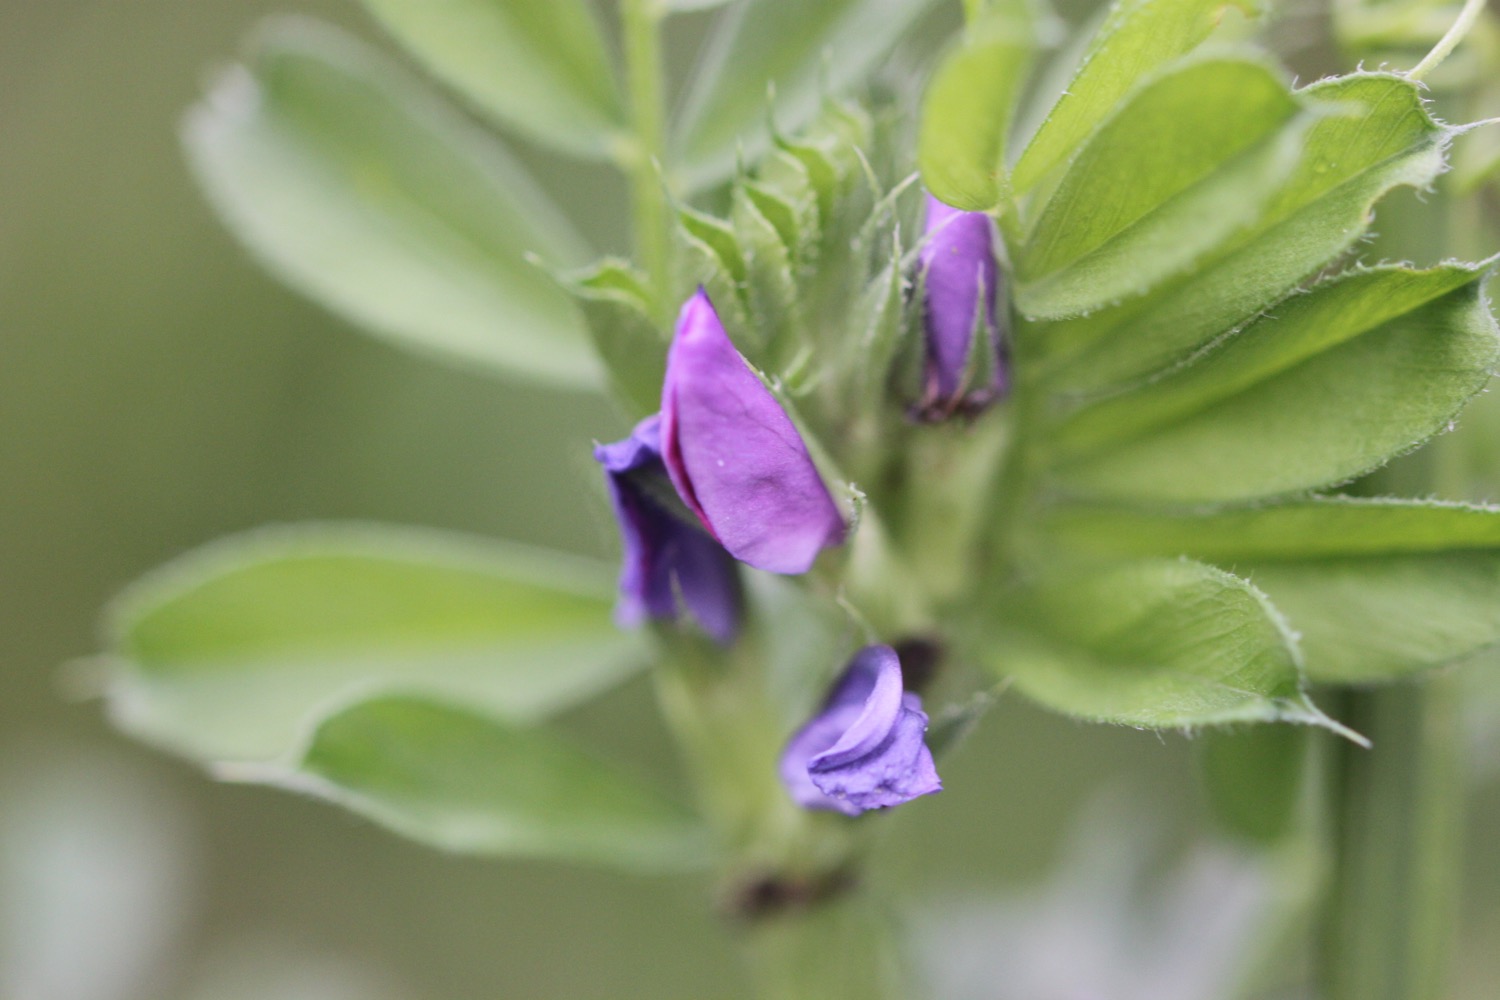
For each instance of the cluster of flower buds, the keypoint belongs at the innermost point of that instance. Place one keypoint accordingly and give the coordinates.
(722, 476)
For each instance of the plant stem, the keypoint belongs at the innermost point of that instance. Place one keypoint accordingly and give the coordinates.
(1466, 18)
(844, 947)
(1397, 816)
(641, 24)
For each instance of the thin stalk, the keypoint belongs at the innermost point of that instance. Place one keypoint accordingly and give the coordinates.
(1449, 41)
(1397, 815)
(844, 947)
(641, 24)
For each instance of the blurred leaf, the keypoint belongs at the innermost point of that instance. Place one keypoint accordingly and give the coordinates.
(539, 65)
(1128, 214)
(235, 650)
(1154, 643)
(1254, 778)
(1299, 529)
(616, 307)
(1382, 139)
(1373, 618)
(969, 106)
(1138, 37)
(1376, 589)
(366, 193)
(804, 50)
(1334, 383)
(472, 784)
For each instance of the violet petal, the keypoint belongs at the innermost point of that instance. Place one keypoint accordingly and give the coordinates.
(665, 560)
(864, 749)
(734, 455)
(961, 277)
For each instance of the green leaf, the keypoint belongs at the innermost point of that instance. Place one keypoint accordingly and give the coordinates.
(1300, 529)
(969, 105)
(1383, 139)
(1137, 38)
(364, 192)
(233, 651)
(1333, 384)
(1377, 589)
(1156, 643)
(802, 50)
(472, 784)
(1374, 618)
(1129, 214)
(538, 65)
(616, 306)
(1254, 778)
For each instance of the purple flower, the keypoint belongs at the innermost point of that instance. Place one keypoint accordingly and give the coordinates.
(668, 559)
(864, 749)
(961, 285)
(734, 455)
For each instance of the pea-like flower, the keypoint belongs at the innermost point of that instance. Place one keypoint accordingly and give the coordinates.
(961, 287)
(669, 561)
(736, 458)
(864, 749)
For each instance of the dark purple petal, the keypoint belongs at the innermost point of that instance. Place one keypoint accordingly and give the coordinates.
(961, 287)
(734, 455)
(665, 559)
(864, 749)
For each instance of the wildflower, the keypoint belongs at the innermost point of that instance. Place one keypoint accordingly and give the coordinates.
(864, 749)
(735, 456)
(668, 559)
(961, 283)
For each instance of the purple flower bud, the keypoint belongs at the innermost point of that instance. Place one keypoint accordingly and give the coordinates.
(734, 455)
(864, 749)
(666, 558)
(961, 285)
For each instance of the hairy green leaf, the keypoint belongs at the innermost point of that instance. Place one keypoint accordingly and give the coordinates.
(969, 106)
(1131, 213)
(1332, 384)
(779, 58)
(1377, 589)
(1138, 37)
(538, 65)
(1299, 529)
(1382, 138)
(234, 651)
(469, 783)
(363, 191)
(1379, 618)
(1157, 643)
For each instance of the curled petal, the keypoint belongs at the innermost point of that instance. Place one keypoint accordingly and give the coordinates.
(864, 749)
(734, 455)
(961, 282)
(665, 558)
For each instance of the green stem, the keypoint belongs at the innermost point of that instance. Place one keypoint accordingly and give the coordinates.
(1449, 41)
(641, 24)
(1397, 815)
(843, 947)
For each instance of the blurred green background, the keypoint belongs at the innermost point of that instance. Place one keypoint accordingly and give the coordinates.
(157, 391)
